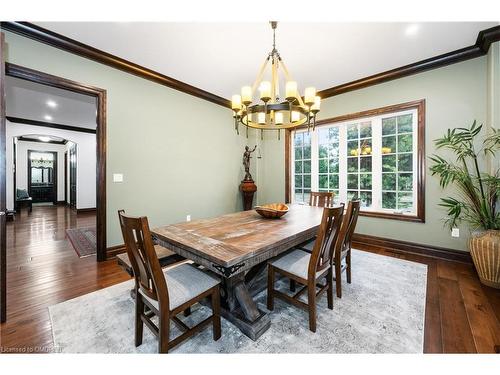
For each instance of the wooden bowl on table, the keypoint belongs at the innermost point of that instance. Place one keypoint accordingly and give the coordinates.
(272, 211)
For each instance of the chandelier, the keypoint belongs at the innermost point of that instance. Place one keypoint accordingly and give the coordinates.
(275, 111)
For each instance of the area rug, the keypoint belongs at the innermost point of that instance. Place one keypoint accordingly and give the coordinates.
(382, 311)
(83, 240)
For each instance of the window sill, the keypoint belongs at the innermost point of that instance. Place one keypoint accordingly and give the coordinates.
(393, 216)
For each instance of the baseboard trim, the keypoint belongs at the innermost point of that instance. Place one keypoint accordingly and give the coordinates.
(365, 241)
(61, 203)
(90, 209)
(113, 251)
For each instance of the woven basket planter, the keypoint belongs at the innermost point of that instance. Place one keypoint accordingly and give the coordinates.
(485, 251)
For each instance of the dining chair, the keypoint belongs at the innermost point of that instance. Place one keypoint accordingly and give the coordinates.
(344, 243)
(165, 293)
(317, 199)
(308, 268)
(321, 199)
(343, 246)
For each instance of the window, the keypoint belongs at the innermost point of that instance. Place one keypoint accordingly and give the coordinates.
(374, 156)
(302, 166)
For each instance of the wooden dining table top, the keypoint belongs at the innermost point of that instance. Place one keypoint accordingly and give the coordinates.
(233, 238)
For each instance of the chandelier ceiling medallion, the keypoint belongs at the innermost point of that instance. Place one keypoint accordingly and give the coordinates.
(275, 111)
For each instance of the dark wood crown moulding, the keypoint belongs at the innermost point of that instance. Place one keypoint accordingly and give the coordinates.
(24, 139)
(62, 42)
(19, 120)
(29, 30)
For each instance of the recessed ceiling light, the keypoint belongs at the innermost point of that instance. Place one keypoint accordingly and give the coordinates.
(412, 29)
(48, 117)
(44, 139)
(51, 103)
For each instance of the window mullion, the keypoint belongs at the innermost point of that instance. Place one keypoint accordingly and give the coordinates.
(377, 163)
(314, 161)
(343, 162)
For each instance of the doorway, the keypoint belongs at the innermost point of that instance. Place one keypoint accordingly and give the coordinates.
(47, 176)
(42, 176)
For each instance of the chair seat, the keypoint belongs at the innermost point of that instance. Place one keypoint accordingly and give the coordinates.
(184, 282)
(296, 263)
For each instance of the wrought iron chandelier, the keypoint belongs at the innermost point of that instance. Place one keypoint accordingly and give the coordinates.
(275, 112)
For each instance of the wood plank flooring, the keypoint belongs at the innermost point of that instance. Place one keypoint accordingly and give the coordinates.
(462, 315)
(43, 269)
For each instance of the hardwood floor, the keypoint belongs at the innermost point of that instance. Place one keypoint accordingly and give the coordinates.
(43, 269)
(462, 315)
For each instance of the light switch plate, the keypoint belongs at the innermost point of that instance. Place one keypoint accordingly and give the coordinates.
(455, 232)
(117, 177)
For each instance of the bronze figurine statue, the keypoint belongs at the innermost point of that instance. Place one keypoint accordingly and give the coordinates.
(246, 162)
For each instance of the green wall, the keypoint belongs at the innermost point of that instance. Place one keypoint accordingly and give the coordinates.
(493, 67)
(455, 95)
(179, 154)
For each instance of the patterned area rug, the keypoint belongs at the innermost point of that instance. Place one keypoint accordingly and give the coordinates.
(83, 240)
(382, 311)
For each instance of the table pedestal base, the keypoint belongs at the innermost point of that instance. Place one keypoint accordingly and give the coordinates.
(240, 309)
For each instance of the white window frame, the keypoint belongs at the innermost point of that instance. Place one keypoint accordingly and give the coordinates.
(376, 121)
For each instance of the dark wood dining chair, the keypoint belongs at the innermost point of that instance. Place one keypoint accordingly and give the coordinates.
(342, 248)
(317, 199)
(344, 243)
(166, 294)
(321, 199)
(308, 268)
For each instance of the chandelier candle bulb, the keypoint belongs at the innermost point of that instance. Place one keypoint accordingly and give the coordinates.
(291, 90)
(295, 116)
(309, 95)
(265, 90)
(317, 104)
(261, 118)
(246, 94)
(236, 103)
(278, 118)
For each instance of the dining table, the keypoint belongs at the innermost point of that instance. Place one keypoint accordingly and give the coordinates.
(236, 247)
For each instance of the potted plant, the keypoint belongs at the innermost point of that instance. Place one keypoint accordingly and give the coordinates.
(478, 193)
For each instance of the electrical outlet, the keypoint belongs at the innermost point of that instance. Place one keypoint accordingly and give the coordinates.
(188, 217)
(455, 232)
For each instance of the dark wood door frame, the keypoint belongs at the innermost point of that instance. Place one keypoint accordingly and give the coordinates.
(54, 189)
(66, 177)
(21, 72)
(73, 176)
(3, 207)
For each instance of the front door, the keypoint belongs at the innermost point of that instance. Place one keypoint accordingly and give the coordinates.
(3, 209)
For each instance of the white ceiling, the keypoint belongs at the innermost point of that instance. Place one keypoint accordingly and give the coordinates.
(221, 57)
(26, 99)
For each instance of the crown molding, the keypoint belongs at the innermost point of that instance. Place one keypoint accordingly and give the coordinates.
(24, 139)
(53, 39)
(45, 124)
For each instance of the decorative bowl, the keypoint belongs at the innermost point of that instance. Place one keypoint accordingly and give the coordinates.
(272, 211)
